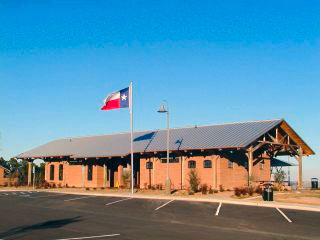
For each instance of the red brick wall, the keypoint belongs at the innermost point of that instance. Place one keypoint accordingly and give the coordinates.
(219, 174)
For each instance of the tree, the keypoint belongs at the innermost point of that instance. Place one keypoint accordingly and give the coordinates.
(279, 177)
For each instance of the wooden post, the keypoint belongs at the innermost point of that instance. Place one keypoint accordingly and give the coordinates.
(300, 182)
(83, 173)
(29, 173)
(250, 165)
(104, 175)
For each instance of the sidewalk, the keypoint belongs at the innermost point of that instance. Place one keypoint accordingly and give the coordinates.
(255, 201)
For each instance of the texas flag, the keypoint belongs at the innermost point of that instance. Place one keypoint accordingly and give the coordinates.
(117, 100)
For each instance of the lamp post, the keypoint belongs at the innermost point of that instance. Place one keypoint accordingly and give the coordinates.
(165, 109)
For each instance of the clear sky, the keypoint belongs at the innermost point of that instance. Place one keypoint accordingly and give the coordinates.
(213, 61)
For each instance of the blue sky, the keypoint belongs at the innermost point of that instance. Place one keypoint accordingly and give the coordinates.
(213, 61)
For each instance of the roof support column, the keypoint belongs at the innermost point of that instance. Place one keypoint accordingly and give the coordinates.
(250, 165)
(300, 182)
(105, 169)
(29, 173)
(83, 172)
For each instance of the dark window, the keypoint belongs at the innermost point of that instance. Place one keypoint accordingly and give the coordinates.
(171, 160)
(230, 164)
(90, 172)
(149, 165)
(51, 172)
(60, 172)
(207, 164)
(192, 164)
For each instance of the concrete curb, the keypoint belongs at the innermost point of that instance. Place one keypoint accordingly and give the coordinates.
(176, 198)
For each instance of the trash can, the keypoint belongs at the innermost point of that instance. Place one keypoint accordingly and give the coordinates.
(267, 194)
(314, 183)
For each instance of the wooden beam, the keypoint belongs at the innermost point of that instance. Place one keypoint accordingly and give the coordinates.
(250, 165)
(300, 182)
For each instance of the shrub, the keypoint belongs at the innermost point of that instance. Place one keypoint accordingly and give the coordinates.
(126, 176)
(215, 190)
(73, 186)
(250, 191)
(53, 185)
(94, 189)
(204, 188)
(210, 190)
(259, 190)
(194, 180)
(237, 191)
(160, 186)
(59, 185)
(145, 185)
(102, 188)
(87, 188)
(5, 184)
(221, 189)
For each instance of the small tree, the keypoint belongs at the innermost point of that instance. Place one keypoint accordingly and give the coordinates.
(279, 177)
(126, 177)
(194, 180)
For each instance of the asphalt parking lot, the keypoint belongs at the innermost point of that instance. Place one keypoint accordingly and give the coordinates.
(43, 215)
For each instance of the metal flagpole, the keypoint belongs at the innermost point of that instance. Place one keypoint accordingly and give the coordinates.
(131, 140)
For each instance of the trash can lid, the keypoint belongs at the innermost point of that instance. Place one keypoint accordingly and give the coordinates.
(314, 178)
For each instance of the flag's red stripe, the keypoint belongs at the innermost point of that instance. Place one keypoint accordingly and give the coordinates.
(111, 104)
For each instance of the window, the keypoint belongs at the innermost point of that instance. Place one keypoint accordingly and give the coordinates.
(60, 172)
(207, 164)
(51, 172)
(192, 164)
(149, 165)
(230, 164)
(90, 172)
(171, 160)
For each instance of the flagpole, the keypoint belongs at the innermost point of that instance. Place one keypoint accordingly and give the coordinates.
(131, 137)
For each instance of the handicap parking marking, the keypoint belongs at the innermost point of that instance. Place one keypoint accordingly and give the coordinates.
(121, 200)
(285, 216)
(164, 205)
(78, 198)
(218, 209)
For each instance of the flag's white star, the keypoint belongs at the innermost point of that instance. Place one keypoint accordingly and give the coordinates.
(124, 97)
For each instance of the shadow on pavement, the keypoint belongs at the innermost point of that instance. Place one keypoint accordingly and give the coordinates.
(39, 226)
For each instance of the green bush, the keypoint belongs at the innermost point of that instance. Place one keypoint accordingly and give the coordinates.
(194, 180)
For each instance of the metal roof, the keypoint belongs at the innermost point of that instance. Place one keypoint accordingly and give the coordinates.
(232, 135)
(280, 163)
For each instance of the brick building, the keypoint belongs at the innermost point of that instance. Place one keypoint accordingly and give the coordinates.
(227, 155)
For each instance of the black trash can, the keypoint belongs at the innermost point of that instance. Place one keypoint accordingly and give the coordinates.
(267, 194)
(314, 183)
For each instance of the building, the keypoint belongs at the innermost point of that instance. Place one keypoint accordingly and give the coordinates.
(226, 155)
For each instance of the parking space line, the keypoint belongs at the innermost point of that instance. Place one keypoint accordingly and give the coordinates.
(164, 204)
(218, 209)
(72, 199)
(101, 236)
(118, 201)
(51, 195)
(288, 219)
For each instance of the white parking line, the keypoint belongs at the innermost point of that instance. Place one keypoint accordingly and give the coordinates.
(101, 236)
(164, 205)
(218, 209)
(118, 201)
(72, 199)
(50, 195)
(288, 219)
